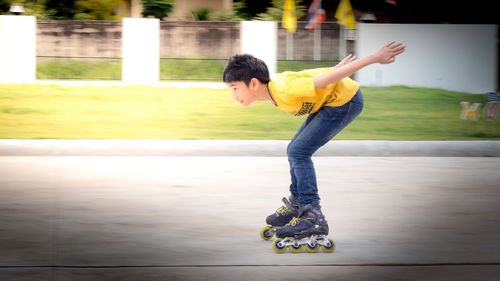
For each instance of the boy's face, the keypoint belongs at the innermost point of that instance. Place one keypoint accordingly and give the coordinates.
(241, 92)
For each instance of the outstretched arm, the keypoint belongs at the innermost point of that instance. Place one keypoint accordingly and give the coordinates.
(385, 55)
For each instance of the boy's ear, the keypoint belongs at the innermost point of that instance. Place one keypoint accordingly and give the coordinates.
(254, 83)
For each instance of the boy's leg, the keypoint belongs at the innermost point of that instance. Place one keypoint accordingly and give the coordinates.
(317, 130)
(293, 186)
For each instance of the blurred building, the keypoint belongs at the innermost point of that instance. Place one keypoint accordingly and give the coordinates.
(182, 9)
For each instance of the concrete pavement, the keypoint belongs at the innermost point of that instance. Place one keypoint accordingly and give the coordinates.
(198, 218)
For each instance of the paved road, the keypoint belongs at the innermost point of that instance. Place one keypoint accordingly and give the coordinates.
(198, 218)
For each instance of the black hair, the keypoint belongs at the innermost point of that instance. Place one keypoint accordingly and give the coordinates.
(244, 68)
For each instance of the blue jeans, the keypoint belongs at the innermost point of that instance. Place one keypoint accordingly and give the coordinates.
(319, 128)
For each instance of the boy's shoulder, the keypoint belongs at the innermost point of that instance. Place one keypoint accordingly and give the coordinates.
(293, 80)
(312, 72)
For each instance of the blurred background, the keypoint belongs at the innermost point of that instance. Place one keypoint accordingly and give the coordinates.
(82, 39)
(444, 88)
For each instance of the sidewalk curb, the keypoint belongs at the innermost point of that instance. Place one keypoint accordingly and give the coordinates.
(30, 147)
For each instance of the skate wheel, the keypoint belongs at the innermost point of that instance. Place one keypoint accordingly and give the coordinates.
(296, 248)
(266, 232)
(312, 249)
(278, 246)
(328, 246)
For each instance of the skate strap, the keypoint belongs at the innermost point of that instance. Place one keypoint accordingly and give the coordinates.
(285, 209)
(286, 201)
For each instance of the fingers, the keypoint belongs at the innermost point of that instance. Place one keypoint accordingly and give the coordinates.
(390, 44)
(347, 58)
(394, 45)
(396, 48)
(351, 59)
(398, 52)
(387, 54)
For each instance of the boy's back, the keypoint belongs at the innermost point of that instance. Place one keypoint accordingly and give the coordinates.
(294, 92)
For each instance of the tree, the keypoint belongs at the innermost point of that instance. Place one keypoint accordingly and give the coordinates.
(159, 9)
(60, 9)
(241, 10)
(201, 14)
(4, 6)
(248, 9)
(97, 9)
(239, 13)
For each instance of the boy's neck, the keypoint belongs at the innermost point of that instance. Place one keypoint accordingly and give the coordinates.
(265, 94)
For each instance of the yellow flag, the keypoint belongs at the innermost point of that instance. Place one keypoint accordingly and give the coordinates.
(289, 17)
(344, 14)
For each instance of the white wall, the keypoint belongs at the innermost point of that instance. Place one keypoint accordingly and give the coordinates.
(17, 49)
(260, 39)
(452, 57)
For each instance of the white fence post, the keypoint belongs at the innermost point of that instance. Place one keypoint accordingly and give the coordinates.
(17, 49)
(317, 43)
(259, 38)
(141, 51)
(289, 45)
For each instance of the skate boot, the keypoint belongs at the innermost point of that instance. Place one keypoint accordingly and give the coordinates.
(281, 217)
(307, 231)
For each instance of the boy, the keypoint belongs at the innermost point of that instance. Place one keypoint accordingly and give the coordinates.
(331, 99)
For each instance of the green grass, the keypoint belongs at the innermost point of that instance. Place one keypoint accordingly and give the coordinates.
(170, 69)
(86, 69)
(110, 69)
(133, 112)
(192, 69)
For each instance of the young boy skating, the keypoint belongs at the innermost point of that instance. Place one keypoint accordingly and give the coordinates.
(332, 100)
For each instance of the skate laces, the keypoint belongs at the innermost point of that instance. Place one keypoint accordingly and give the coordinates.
(285, 209)
(294, 221)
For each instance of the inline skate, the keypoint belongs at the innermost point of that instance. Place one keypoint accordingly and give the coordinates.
(281, 217)
(307, 232)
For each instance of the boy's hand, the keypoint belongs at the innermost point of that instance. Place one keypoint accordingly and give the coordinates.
(350, 58)
(387, 54)
(350, 64)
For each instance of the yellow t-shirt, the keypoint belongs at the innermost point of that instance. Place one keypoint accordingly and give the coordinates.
(294, 92)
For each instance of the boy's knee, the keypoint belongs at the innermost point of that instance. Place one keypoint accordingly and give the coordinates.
(296, 151)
